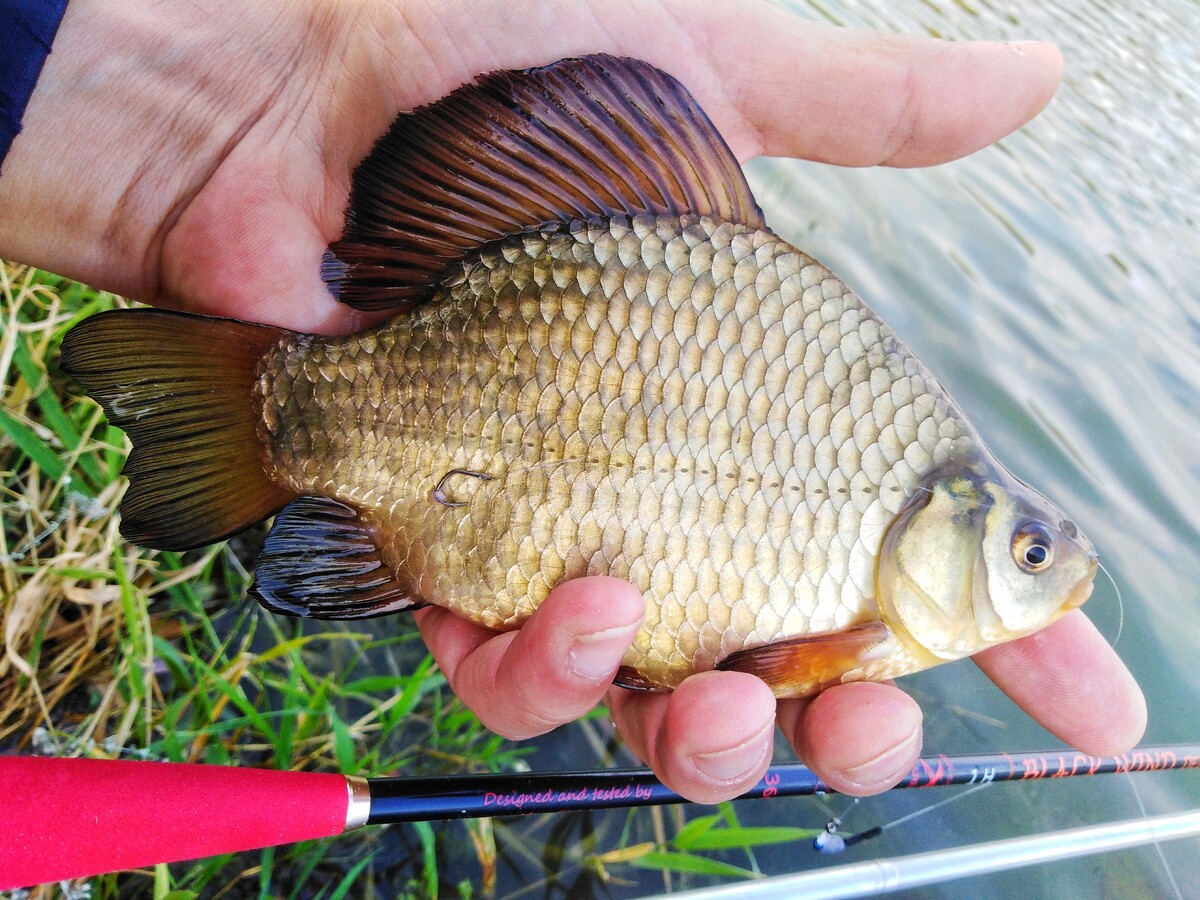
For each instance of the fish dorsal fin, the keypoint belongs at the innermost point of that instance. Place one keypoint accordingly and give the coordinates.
(582, 138)
(320, 560)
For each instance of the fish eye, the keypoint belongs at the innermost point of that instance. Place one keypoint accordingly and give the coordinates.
(1032, 547)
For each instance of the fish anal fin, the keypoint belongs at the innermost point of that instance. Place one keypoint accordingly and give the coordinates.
(632, 680)
(320, 560)
(592, 137)
(799, 666)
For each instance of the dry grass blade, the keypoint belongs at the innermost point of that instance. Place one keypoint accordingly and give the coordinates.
(58, 542)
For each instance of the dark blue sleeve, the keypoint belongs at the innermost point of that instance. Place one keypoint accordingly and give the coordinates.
(27, 28)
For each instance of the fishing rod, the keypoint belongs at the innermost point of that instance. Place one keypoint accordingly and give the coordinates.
(901, 873)
(71, 818)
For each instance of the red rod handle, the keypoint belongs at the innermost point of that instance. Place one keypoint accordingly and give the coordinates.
(70, 818)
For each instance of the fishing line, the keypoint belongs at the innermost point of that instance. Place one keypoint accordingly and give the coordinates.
(846, 812)
(829, 841)
(1162, 857)
(1120, 604)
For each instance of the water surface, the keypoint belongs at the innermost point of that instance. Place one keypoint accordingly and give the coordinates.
(1053, 284)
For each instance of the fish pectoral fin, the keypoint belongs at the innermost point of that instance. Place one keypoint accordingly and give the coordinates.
(632, 680)
(799, 666)
(580, 139)
(320, 560)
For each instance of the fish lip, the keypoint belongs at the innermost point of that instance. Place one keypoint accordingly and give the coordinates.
(1083, 588)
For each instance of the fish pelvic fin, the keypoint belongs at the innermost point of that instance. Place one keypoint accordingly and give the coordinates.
(321, 560)
(797, 667)
(632, 680)
(586, 138)
(180, 386)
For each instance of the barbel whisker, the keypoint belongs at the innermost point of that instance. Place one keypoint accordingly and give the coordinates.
(439, 496)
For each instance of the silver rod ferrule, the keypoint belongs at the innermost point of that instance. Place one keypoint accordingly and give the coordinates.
(359, 809)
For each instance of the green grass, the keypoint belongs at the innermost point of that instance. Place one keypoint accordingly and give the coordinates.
(116, 651)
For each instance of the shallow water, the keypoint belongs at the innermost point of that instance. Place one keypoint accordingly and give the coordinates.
(1053, 284)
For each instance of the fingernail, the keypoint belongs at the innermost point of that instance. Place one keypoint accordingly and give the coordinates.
(888, 766)
(1043, 51)
(595, 656)
(737, 762)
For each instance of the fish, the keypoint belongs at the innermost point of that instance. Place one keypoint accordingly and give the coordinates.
(599, 360)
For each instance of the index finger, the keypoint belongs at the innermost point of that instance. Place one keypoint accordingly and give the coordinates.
(1072, 683)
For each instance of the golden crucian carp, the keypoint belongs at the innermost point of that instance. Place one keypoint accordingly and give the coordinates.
(601, 361)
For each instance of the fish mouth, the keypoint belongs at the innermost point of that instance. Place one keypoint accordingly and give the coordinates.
(1082, 590)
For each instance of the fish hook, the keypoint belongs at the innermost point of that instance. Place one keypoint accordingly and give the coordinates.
(439, 496)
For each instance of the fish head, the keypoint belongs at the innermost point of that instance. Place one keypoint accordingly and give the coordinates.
(975, 558)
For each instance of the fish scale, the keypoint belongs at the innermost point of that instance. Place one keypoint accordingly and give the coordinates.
(599, 361)
(631, 369)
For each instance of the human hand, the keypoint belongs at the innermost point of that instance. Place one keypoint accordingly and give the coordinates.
(860, 738)
(214, 184)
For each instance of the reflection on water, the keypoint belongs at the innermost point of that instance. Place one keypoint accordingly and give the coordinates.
(1053, 284)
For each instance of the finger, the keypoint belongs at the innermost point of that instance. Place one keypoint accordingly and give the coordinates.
(860, 738)
(1071, 682)
(858, 98)
(553, 670)
(709, 740)
(772, 82)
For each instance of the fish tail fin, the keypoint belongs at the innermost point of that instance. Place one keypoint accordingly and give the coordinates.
(181, 387)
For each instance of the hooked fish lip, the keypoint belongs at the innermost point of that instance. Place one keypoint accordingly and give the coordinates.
(1083, 588)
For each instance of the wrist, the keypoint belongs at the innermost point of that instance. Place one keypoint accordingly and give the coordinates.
(24, 45)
